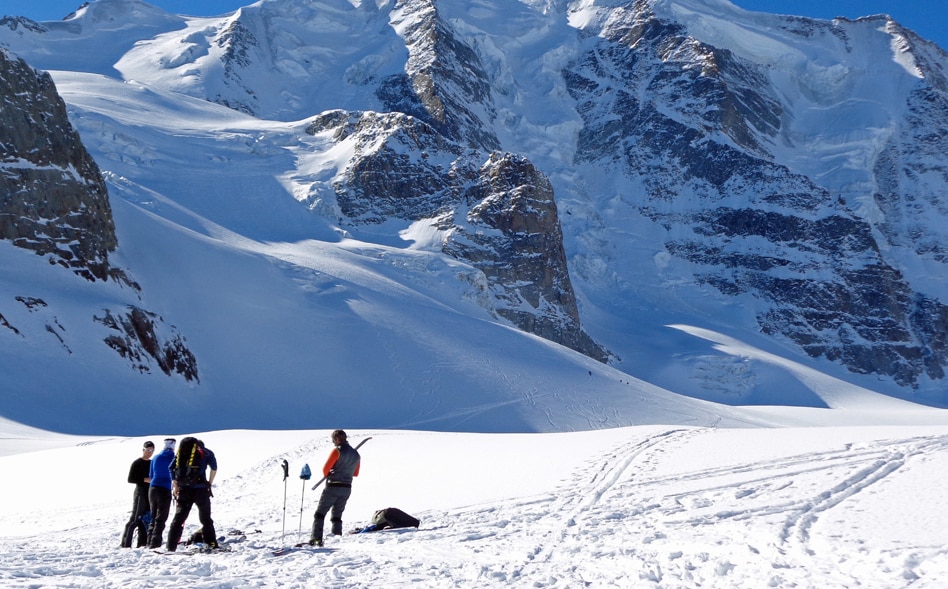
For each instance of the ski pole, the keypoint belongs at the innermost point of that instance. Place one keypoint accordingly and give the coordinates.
(286, 475)
(305, 474)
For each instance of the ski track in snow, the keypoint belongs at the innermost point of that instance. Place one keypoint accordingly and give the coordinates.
(629, 518)
(649, 511)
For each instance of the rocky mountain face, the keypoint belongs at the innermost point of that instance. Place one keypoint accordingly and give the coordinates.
(510, 230)
(788, 167)
(54, 202)
(698, 128)
(427, 150)
(495, 211)
(444, 82)
(700, 134)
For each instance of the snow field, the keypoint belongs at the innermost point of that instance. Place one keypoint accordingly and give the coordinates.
(649, 506)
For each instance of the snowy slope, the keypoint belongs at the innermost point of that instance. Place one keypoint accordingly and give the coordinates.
(643, 507)
(324, 327)
(395, 363)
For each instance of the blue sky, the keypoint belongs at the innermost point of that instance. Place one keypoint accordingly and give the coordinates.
(926, 17)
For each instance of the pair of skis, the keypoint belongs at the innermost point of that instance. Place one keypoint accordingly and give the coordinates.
(298, 547)
(305, 474)
(195, 549)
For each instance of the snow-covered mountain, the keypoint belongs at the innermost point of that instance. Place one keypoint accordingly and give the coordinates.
(364, 212)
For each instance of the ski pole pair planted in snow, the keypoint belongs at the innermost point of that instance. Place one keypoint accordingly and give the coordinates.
(305, 474)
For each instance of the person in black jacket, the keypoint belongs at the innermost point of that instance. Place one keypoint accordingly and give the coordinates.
(341, 466)
(138, 476)
(192, 489)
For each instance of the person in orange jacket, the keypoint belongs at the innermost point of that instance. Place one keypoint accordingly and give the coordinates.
(340, 468)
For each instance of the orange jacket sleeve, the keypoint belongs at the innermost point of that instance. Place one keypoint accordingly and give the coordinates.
(331, 461)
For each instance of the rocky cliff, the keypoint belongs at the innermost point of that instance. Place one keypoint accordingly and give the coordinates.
(54, 202)
(52, 196)
(702, 132)
(496, 211)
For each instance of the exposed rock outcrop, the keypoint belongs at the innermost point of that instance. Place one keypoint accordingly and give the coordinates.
(511, 232)
(54, 201)
(499, 215)
(697, 127)
(139, 340)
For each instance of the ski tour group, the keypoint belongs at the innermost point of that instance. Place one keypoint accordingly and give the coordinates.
(183, 473)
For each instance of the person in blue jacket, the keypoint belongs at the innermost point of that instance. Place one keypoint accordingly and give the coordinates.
(159, 492)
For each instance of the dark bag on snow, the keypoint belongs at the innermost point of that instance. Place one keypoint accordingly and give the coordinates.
(190, 462)
(392, 517)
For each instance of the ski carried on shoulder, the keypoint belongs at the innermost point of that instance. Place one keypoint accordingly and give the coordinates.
(320, 481)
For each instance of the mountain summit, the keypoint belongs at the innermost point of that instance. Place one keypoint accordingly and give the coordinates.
(337, 197)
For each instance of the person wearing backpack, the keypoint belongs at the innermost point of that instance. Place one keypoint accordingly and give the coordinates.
(190, 486)
(159, 493)
(138, 476)
(340, 468)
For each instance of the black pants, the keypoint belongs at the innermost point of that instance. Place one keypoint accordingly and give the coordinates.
(139, 508)
(333, 499)
(188, 496)
(159, 499)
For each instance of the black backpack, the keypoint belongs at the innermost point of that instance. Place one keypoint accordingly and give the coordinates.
(190, 462)
(392, 517)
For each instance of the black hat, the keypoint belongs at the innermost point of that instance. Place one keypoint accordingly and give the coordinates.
(148, 444)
